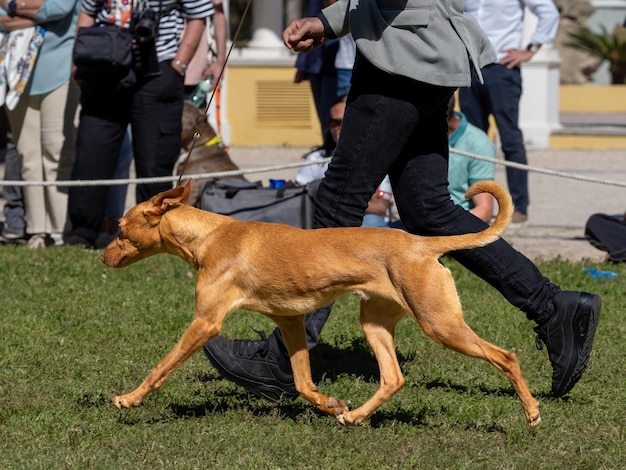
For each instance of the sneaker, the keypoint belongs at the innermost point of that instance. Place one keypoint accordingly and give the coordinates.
(568, 336)
(14, 224)
(103, 240)
(40, 240)
(253, 365)
(73, 239)
(519, 218)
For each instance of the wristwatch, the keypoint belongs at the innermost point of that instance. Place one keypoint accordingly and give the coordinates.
(533, 48)
(12, 7)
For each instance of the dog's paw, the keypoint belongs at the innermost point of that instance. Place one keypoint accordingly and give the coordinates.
(346, 419)
(124, 401)
(336, 407)
(534, 421)
(532, 414)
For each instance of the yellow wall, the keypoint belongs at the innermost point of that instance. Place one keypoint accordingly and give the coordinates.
(592, 99)
(265, 108)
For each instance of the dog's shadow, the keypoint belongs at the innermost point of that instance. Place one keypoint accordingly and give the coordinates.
(329, 363)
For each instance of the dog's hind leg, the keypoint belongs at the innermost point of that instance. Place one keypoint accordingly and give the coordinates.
(379, 318)
(292, 328)
(441, 318)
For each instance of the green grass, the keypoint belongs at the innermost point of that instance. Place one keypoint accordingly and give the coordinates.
(75, 333)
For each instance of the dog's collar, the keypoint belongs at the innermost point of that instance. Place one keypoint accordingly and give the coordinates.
(215, 140)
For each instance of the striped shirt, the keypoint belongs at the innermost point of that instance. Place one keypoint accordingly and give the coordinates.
(171, 24)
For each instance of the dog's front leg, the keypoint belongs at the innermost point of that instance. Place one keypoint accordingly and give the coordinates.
(198, 333)
(294, 334)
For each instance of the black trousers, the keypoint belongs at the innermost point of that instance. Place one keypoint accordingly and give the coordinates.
(153, 108)
(397, 126)
(607, 233)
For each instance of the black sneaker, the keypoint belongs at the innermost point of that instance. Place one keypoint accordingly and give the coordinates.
(253, 365)
(568, 336)
(72, 239)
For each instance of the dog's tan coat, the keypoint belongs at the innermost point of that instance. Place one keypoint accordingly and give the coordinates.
(285, 273)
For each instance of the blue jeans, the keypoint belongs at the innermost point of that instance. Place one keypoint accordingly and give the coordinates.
(397, 126)
(500, 95)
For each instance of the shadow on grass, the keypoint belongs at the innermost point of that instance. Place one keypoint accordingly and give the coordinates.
(329, 363)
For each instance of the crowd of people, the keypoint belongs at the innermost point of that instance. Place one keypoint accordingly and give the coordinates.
(383, 85)
(67, 125)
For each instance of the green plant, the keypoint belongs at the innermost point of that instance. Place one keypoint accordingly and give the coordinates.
(606, 46)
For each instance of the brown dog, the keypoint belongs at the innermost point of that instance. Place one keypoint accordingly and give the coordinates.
(285, 272)
(208, 155)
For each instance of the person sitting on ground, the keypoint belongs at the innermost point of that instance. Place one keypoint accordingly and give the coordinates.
(464, 171)
(608, 233)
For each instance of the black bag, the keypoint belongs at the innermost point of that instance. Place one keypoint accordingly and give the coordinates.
(244, 200)
(104, 52)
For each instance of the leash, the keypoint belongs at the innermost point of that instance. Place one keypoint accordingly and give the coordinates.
(196, 134)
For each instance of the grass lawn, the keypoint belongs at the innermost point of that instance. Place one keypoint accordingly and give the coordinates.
(74, 333)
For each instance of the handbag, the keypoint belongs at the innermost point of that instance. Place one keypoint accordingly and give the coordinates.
(104, 52)
(244, 200)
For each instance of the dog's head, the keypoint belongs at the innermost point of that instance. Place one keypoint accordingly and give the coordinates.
(140, 236)
(194, 120)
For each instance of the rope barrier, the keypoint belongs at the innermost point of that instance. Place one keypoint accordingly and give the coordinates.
(268, 169)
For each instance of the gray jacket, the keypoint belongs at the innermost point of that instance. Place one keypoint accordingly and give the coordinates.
(432, 41)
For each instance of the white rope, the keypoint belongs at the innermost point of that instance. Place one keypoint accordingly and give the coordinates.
(268, 169)
(544, 171)
(162, 179)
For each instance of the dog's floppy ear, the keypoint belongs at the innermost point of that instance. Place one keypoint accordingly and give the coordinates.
(167, 200)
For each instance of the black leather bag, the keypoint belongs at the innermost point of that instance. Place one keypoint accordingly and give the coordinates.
(104, 52)
(243, 200)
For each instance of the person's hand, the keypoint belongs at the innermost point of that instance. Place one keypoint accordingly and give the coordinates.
(515, 57)
(304, 34)
(214, 69)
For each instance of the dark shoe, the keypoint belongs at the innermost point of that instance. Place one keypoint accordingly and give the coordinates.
(77, 240)
(253, 365)
(568, 336)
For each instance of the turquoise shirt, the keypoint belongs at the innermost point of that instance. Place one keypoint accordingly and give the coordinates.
(53, 66)
(464, 171)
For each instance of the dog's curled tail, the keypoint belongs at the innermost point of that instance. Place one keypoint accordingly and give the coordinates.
(491, 233)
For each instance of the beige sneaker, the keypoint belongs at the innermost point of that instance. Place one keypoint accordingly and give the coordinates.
(40, 240)
(518, 218)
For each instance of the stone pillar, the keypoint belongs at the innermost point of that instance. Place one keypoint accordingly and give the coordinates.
(539, 106)
(267, 24)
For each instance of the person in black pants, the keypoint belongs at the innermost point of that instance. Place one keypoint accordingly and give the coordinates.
(396, 124)
(152, 106)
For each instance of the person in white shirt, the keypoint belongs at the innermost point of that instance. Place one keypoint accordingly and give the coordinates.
(503, 21)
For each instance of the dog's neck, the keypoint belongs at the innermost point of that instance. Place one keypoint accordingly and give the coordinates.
(180, 238)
